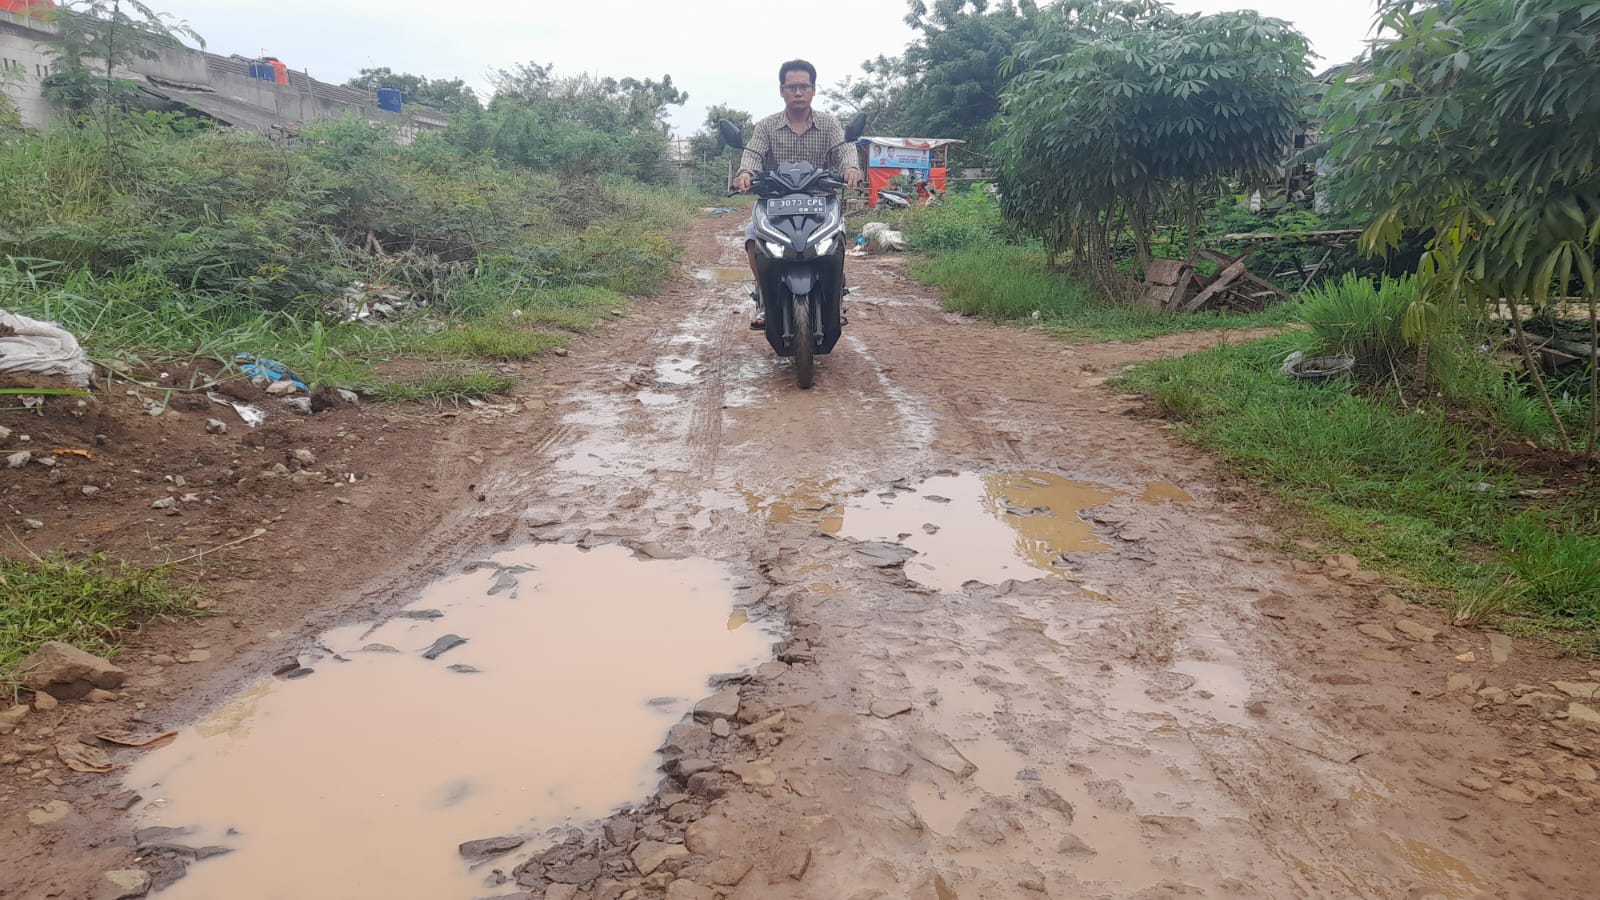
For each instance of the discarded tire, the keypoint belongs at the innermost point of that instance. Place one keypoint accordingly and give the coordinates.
(1317, 368)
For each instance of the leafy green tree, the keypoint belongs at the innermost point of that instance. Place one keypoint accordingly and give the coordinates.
(707, 150)
(450, 95)
(577, 126)
(948, 83)
(1120, 109)
(94, 37)
(1481, 121)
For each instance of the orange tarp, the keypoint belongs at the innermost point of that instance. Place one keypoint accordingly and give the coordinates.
(26, 7)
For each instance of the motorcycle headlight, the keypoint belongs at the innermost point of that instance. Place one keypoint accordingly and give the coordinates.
(826, 247)
(776, 249)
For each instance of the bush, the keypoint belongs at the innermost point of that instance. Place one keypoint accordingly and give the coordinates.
(964, 219)
(1560, 568)
(1356, 317)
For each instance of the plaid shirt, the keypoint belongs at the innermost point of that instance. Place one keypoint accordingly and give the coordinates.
(774, 143)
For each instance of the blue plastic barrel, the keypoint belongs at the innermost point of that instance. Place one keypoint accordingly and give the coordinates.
(390, 99)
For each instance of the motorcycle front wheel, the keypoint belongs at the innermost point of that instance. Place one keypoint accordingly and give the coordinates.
(805, 343)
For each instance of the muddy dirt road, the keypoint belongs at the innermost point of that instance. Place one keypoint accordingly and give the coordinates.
(977, 628)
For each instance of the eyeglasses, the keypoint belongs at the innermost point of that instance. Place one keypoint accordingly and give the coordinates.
(798, 88)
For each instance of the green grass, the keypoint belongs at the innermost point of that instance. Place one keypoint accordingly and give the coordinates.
(443, 387)
(1012, 284)
(1408, 492)
(500, 339)
(88, 604)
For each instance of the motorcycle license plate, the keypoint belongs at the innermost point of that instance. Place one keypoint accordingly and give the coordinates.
(797, 206)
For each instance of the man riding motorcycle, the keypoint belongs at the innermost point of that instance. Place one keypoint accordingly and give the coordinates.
(798, 134)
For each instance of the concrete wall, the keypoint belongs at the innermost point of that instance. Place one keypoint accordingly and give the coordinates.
(219, 86)
(23, 66)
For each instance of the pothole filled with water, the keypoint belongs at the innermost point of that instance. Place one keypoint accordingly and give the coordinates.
(985, 528)
(723, 275)
(525, 694)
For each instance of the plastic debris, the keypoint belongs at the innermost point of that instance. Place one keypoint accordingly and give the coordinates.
(257, 367)
(41, 348)
(248, 414)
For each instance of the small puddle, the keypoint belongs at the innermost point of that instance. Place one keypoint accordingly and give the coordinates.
(722, 275)
(362, 778)
(805, 504)
(1165, 492)
(986, 528)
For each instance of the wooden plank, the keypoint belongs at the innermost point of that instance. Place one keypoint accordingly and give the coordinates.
(1164, 271)
(1224, 278)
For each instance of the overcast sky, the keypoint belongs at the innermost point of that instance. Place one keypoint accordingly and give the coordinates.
(720, 51)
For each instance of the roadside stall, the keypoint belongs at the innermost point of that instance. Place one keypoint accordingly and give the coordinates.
(921, 159)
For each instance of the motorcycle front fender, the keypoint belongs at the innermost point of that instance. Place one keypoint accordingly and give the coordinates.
(800, 280)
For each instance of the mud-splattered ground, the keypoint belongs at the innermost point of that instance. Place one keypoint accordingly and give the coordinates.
(1029, 647)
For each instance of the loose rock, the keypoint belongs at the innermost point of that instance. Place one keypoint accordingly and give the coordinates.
(67, 673)
(723, 704)
(1584, 716)
(684, 889)
(721, 728)
(1463, 681)
(122, 884)
(216, 426)
(1416, 631)
(443, 645)
(45, 702)
(651, 855)
(727, 872)
(1578, 690)
(581, 871)
(53, 813)
(888, 709)
(1377, 631)
(484, 848)
(1500, 647)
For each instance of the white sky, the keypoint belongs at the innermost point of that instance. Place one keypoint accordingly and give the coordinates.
(720, 51)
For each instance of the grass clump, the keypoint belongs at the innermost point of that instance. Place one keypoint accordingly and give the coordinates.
(1013, 284)
(1409, 491)
(502, 339)
(1363, 319)
(442, 387)
(87, 603)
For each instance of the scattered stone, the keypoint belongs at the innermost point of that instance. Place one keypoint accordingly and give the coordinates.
(712, 836)
(122, 884)
(935, 888)
(67, 673)
(813, 829)
(1584, 716)
(33, 524)
(19, 459)
(1392, 604)
(884, 555)
(790, 865)
(620, 832)
(1463, 681)
(887, 762)
(197, 656)
(935, 749)
(1578, 690)
(1377, 631)
(1072, 845)
(553, 892)
(888, 709)
(1494, 695)
(53, 813)
(12, 716)
(1541, 701)
(99, 696)
(484, 848)
(1416, 631)
(44, 702)
(711, 785)
(655, 550)
(580, 871)
(1255, 706)
(727, 872)
(690, 766)
(721, 728)
(651, 855)
(1452, 814)
(723, 704)
(279, 388)
(561, 351)
(1500, 647)
(378, 648)
(684, 889)
(89, 490)
(756, 774)
(463, 669)
(216, 426)
(443, 645)
(165, 503)
(304, 457)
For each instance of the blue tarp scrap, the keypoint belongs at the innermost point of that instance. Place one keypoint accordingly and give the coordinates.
(255, 366)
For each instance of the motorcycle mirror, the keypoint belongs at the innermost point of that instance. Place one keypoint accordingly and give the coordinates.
(856, 128)
(730, 134)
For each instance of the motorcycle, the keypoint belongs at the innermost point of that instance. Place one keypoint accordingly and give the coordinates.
(800, 244)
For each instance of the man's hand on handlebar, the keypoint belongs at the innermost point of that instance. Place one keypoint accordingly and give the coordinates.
(852, 178)
(741, 182)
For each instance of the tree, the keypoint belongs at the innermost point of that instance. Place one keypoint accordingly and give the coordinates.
(578, 126)
(948, 83)
(1119, 110)
(1480, 121)
(451, 96)
(93, 38)
(709, 153)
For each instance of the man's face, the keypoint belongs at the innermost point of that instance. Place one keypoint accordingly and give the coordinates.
(797, 91)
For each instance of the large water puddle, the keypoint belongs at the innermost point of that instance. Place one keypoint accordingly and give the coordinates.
(361, 777)
(986, 528)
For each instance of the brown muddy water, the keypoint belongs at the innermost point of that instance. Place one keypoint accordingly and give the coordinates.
(986, 528)
(361, 778)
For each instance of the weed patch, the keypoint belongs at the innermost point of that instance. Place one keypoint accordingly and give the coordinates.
(85, 603)
(443, 387)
